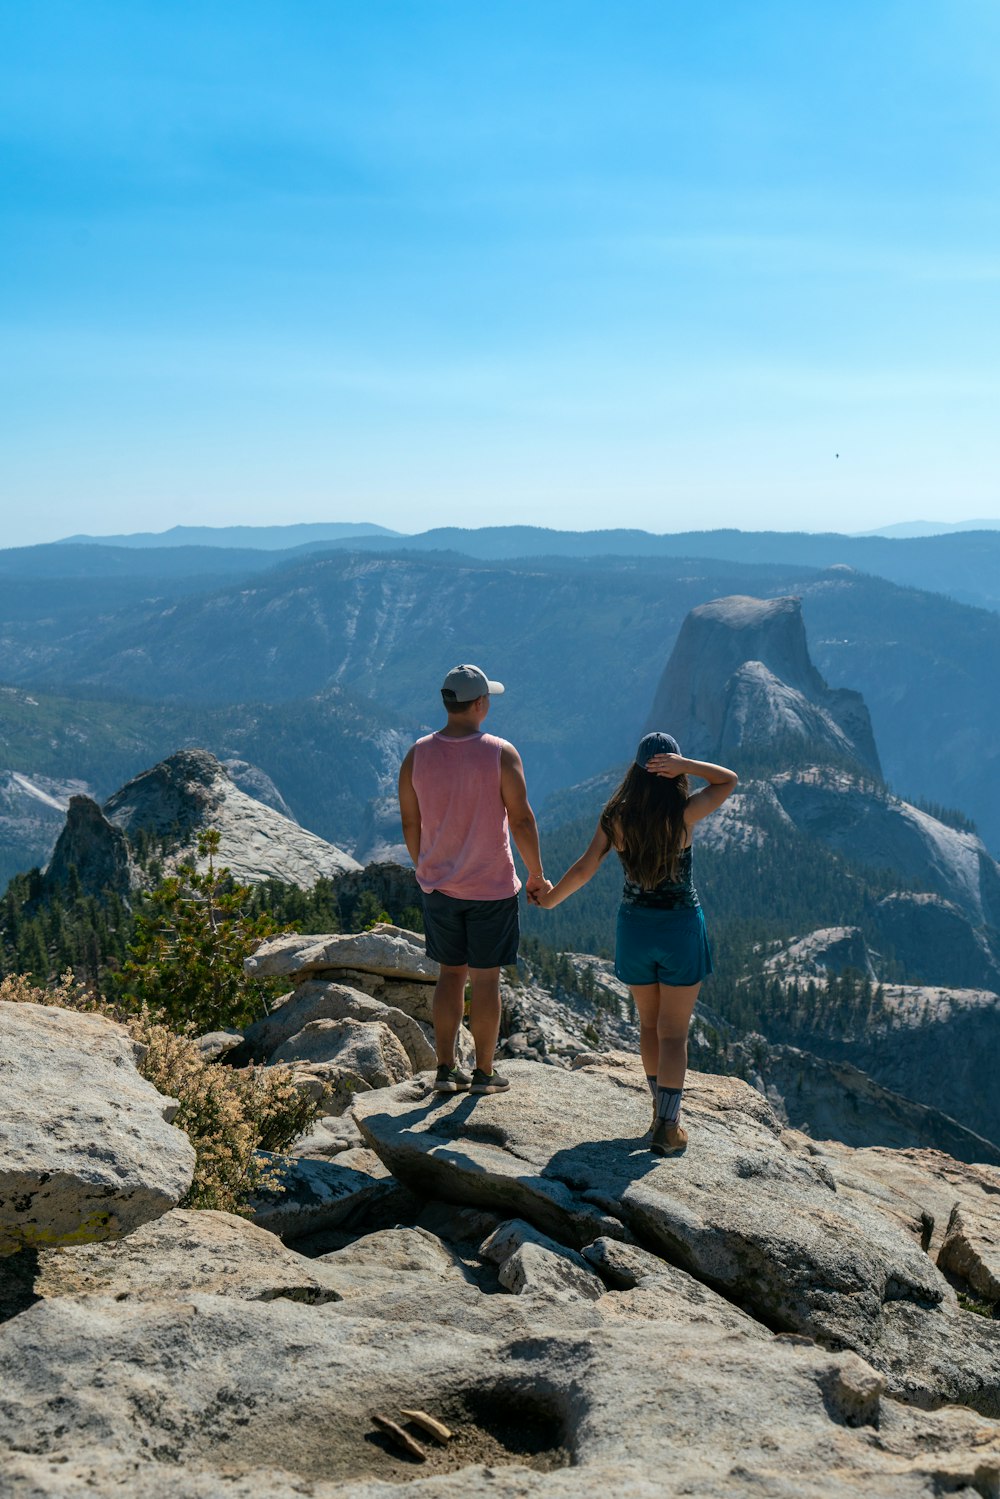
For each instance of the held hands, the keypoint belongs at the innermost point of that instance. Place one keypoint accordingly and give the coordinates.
(536, 887)
(667, 765)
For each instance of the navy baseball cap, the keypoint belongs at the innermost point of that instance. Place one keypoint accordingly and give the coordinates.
(656, 743)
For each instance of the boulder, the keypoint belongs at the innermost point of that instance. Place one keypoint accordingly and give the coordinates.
(368, 1049)
(646, 1288)
(86, 1150)
(172, 1398)
(217, 1044)
(413, 996)
(531, 1262)
(323, 1000)
(535, 1270)
(742, 1210)
(328, 1136)
(311, 1197)
(385, 950)
(330, 1087)
(393, 1258)
(181, 1253)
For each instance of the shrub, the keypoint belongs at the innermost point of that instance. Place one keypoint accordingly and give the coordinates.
(229, 1116)
(192, 933)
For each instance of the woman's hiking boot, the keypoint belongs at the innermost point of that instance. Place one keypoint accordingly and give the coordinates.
(668, 1139)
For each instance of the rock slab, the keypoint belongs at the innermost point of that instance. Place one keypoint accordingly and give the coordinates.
(211, 1396)
(385, 949)
(86, 1152)
(742, 1211)
(185, 1252)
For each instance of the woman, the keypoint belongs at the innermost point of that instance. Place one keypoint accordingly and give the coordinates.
(661, 948)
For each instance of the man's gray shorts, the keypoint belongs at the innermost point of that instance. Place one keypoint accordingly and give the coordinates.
(481, 933)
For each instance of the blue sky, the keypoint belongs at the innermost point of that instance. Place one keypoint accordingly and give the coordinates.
(428, 263)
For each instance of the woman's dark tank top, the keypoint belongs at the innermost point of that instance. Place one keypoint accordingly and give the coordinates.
(668, 895)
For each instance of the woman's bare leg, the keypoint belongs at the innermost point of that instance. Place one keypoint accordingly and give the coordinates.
(676, 1006)
(647, 1004)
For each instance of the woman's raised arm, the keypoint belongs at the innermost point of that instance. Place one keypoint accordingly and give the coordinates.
(722, 782)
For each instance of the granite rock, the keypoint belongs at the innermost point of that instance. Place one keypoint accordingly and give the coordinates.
(322, 1000)
(93, 1393)
(385, 950)
(310, 1196)
(185, 1252)
(86, 1150)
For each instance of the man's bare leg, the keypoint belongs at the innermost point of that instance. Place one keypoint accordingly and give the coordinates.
(449, 1008)
(484, 1017)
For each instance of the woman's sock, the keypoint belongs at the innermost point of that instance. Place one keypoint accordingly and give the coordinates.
(668, 1104)
(651, 1080)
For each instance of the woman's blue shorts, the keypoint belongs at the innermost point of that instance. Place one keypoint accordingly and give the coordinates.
(661, 947)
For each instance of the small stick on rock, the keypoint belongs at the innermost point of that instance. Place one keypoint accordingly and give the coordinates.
(401, 1438)
(430, 1424)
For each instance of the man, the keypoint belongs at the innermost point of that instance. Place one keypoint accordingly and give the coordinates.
(462, 797)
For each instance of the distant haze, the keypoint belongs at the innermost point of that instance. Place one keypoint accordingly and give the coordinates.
(932, 528)
(267, 538)
(279, 538)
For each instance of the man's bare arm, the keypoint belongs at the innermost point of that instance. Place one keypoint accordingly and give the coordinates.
(523, 828)
(409, 809)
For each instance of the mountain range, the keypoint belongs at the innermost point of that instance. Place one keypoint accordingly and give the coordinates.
(120, 670)
(961, 563)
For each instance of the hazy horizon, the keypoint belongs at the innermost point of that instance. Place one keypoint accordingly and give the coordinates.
(903, 530)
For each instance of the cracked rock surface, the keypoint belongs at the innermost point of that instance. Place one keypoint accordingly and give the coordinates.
(745, 1211)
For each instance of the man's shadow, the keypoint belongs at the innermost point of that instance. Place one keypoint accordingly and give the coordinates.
(594, 1172)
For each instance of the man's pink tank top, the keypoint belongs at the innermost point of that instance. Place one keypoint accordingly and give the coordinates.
(464, 837)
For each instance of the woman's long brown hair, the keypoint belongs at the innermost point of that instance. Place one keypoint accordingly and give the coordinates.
(644, 821)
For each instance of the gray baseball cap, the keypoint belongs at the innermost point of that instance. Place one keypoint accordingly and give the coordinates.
(466, 683)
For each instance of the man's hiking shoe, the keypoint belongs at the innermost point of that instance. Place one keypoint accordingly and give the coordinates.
(668, 1139)
(451, 1079)
(488, 1082)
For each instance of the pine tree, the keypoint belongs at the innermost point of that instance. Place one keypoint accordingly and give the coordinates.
(191, 937)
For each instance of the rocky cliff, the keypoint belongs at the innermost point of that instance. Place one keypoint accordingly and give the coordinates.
(169, 806)
(92, 850)
(740, 677)
(504, 1297)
